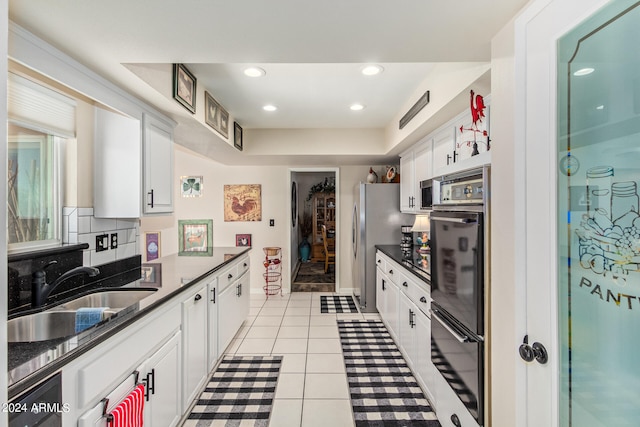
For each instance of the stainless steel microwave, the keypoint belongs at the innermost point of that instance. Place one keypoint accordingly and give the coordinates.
(426, 195)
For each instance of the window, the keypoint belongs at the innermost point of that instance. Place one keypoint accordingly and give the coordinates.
(40, 121)
(33, 188)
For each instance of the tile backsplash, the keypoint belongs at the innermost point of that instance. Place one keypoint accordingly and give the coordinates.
(80, 226)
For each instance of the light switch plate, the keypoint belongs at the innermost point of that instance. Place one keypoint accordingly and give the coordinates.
(102, 242)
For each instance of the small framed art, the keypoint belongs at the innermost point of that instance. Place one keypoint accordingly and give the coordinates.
(151, 274)
(152, 245)
(237, 136)
(243, 239)
(184, 87)
(191, 186)
(215, 115)
(195, 237)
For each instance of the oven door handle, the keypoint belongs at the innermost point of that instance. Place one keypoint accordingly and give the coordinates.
(456, 220)
(460, 337)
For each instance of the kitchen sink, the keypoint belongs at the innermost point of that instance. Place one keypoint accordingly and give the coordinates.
(43, 326)
(59, 321)
(113, 299)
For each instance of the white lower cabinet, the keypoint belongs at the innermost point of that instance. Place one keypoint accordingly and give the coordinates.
(162, 376)
(233, 310)
(194, 343)
(212, 320)
(403, 303)
(172, 350)
(387, 302)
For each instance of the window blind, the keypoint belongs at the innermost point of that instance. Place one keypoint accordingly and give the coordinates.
(36, 107)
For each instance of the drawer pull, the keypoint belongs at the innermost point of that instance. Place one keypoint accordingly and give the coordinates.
(198, 297)
(244, 265)
(230, 276)
(405, 284)
(390, 271)
(423, 300)
(379, 261)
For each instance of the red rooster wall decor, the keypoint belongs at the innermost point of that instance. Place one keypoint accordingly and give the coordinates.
(477, 108)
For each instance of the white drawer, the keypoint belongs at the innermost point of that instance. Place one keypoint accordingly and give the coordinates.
(227, 276)
(243, 266)
(381, 262)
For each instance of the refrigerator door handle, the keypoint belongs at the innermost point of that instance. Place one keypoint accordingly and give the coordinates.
(459, 336)
(456, 220)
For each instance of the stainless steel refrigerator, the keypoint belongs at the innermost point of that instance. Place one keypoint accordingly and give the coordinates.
(376, 220)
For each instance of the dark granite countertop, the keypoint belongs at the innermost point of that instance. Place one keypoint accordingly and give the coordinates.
(415, 262)
(31, 362)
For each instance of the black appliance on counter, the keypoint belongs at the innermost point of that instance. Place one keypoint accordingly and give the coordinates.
(40, 406)
(459, 250)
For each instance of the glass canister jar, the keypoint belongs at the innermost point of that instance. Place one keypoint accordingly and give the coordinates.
(624, 199)
(599, 182)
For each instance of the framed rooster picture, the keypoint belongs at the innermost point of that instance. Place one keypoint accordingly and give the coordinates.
(243, 202)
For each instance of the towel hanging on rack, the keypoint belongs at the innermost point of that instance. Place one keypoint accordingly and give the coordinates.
(129, 412)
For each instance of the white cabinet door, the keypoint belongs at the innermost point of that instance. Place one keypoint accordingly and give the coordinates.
(424, 368)
(423, 164)
(407, 326)
(228, 316)
(163, 408)
(158, 166)
(443, 149)
(212, 313)
(116, 166)
(194, 324)
(387, 302)
(407, 183)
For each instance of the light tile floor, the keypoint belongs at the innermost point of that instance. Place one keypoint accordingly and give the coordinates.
(312, 388)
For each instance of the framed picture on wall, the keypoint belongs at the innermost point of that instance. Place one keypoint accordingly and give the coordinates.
(215, 115)
(184, 87)
(243, 239)
(195, 237)
(237, 136)
(152, 245)
(151, 274)
(191, 186)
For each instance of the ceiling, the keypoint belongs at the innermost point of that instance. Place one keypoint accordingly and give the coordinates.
(312, 51)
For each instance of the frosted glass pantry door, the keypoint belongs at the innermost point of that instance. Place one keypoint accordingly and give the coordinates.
(598, 219)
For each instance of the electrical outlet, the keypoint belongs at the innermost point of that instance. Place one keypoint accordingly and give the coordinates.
(272, 222)
(102, 242)
(114, 240)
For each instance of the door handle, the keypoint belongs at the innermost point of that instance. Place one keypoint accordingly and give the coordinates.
(151, 194)
(536, 351)
(213, 295)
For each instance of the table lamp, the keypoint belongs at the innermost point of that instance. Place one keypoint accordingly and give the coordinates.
(421, 225)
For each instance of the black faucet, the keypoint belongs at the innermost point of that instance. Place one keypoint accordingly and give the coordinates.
(40, 289)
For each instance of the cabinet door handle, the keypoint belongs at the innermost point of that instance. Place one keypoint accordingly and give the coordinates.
(239, 289)
(198, 297)
(448, 158)
(383, 285)
(405, 284)
(151, 194)
(455, 157)
(150, 382)
(423, 300)
(213, 295)
(411, 316)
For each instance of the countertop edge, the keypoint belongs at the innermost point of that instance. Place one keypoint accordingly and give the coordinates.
(33, 379)
(391, 252)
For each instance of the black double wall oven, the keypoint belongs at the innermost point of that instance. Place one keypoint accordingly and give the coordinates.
(458, 246)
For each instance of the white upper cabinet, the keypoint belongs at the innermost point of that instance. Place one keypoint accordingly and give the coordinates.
(116, 165)
(158, 166)
(133, 168)
(408, 200)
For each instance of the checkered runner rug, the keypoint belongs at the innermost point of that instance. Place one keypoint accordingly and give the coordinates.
(383, 391)
(337, 304)
(239, 394)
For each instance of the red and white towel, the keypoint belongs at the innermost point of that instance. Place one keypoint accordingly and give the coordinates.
(129, 412)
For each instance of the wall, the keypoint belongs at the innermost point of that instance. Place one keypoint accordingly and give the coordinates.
(503, 341)
(275, 204)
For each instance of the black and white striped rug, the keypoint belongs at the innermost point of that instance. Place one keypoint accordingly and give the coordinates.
(383, 391)
(239, 394)
(337, 304)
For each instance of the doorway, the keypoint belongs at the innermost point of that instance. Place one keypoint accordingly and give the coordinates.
(314, 230)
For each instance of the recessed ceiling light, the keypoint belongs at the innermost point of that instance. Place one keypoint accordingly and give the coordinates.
(584, 71)
(357, 107)
(372, 70)
(269, 107)
(254, 72)
(600, 107)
